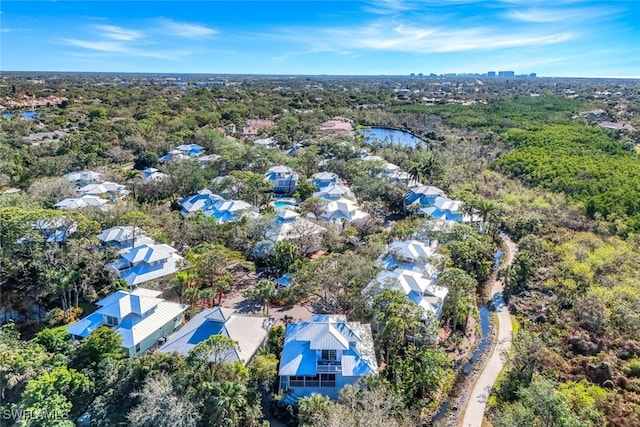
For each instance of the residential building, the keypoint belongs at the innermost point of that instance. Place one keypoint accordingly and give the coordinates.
(424, 195)
(269, 143)
(432, 201)
(105, 189)
(419, 287)
(203, 160)
(82, 178)
(408, 254)
(217, 207)
(73, 203)
(152, 175)
(289, 225)
(140, 317)
(254, 126)
(337, 125)
(124, 237)
(183, 152)
(283, 179)
(249, 332)
(342, 211)
(324, 355)
(324, 179)
(55, 230)
(146, 262)
(204, 200)
(232, 210)
(333, 192)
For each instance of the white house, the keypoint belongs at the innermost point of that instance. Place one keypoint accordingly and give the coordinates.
(73, 203)
(419, 287)
(283, 179)
(124, 237)
(343, 210)
(249, 332)
(82, 178)
(152, 175)
(146, 262)
(289, 225)
(269, 143)
(111, 189)
(140, 317)
(408, 254)
(324, 355)
(334, 191)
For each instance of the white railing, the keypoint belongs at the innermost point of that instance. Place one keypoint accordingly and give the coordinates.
(324, 368)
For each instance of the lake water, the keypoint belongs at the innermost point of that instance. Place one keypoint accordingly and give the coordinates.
(7, 115)
(29, 115)
(390, 136)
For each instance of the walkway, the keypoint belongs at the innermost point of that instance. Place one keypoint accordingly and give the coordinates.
(476, 405)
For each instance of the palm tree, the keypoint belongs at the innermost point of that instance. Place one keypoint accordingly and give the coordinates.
(191, 295)
(208, 294)
(487, 210)
(313, 408)
(265, 292)
(229, 402)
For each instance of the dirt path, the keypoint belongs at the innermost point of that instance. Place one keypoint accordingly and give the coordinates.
(474, 410)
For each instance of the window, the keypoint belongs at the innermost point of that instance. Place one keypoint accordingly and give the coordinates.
(296, 381)
(112, 321)
(327, 380)
(137, 348)
(331, 355)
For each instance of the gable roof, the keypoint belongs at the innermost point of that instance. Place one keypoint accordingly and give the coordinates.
(418, 288)
(120, 233)
(148, 253)
(248, 331)
(140, 314)
(328, 332)
(81, 202)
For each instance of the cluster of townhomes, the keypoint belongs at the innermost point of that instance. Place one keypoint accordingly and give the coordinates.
(91, 190)
(321, 355)
(188, 152)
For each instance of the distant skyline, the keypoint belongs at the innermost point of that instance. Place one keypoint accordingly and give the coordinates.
(562, 38)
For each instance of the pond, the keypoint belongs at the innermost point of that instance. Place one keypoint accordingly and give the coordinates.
(7, 115)
(29, 115)
(390, 136)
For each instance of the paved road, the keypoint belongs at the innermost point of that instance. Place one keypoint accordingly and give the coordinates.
(474, 410)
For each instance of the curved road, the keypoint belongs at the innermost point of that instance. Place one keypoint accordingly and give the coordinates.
(477, 402)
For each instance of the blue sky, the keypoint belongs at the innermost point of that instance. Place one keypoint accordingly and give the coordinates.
(551, 38)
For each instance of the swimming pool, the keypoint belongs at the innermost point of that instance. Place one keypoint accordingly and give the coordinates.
(282, 204)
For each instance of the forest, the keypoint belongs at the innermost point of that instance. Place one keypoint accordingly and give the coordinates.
(525, 157)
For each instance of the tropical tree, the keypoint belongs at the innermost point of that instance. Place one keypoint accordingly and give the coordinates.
(460, 300)
(265, 292)
(398, 321)
(312, 409)
(52, 393)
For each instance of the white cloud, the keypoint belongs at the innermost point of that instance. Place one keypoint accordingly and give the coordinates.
(99, 45)
(187, 30)
(537, 15)
(402, 37)
(117, 48)
(117, 33)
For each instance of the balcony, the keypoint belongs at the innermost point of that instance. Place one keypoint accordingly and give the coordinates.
(324, 366)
